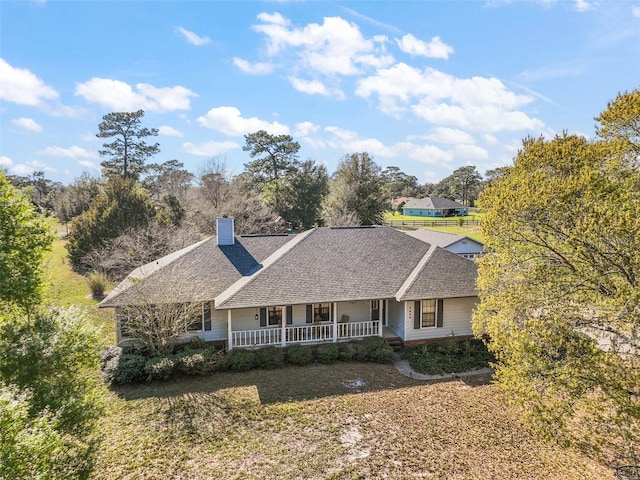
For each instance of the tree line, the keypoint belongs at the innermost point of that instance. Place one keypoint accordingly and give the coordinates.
(140, 210)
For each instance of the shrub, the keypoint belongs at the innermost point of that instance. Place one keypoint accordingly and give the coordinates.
(194, 343)
(269, 357)
(450, 356)
(240, 360)
(329, 352)
(159, 368)
(375, 349)
(191, 361)
(97, 283)
(299, 355)
(125, 368)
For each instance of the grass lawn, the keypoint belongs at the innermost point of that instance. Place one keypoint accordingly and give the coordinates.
(471, 231)
(342, 421)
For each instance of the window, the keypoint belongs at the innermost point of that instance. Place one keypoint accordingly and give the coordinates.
(321, 312)
(428, 317)
(206, 315)
(195, 318)
(274, 316)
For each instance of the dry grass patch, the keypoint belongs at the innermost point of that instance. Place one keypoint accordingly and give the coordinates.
(344, 421)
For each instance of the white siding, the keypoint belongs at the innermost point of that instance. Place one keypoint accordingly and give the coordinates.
(465, 245)
(456, 320)
(218, 326)
(396, 317)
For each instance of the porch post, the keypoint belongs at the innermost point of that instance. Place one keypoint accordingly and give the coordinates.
(335, 322)
(382, 318)
(229, 336)
(283, 328)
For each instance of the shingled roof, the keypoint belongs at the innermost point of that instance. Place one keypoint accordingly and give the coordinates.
(197, 273)
(441, 239)
(329, 264)
(432, 203)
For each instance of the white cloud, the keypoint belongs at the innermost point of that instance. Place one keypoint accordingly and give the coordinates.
(26, 168)
(168, 131)
(476, 103)
(450, 136)
(19, 85)
(89, 164)
(22, 169)
(635, 11)
(436, 48)
(490, 139)
(209, 149)
(303, 129)
(27, 124)
(229, 121)
(120, 96)
(253, 68)
(72, 152)
(333, 47)
(5, 161)
(193, 38)
(470, 152)
(583, 5)
(312, 87)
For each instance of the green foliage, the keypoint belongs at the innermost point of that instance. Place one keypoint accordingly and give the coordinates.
(329, 352)
(372, 349)
(240, 360)
(122, 206)
(269, 357)
(357, 187)
(451, 356)
(463, 185)
(97, 283)
(124, 368)
(559, 287)
(159, 368)
(24, 238)
(49, 410)
(304, 192)
(128, 152)
(276, 158)
(299, 354)
(196, 361)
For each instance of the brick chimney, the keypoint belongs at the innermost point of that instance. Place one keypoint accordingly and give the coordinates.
(225, 230)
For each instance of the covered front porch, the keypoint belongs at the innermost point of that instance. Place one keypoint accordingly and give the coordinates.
(305, 324)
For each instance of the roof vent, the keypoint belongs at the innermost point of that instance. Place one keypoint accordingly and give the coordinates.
(225, 231)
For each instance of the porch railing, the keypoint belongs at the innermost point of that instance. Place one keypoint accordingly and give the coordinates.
(303, 334)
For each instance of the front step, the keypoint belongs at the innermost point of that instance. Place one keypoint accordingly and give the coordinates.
(395, 343)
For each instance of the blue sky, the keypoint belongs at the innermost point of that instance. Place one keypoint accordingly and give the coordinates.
(425, 86)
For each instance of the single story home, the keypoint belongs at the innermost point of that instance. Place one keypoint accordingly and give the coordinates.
(434, 207)
(326, 284)
(461, 245)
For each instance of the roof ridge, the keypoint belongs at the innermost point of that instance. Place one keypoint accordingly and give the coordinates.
(270, 260)
(131, 279)
(416, 271)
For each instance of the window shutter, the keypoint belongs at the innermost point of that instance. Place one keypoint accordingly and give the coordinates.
(309, 313)
(439, 312)
(263, 317)
(417, 314)
(289, 314)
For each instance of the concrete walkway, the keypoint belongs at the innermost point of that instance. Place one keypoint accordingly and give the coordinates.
(405, 369)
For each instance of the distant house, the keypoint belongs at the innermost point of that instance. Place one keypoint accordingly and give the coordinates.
(396, 202)
(459, 244)
(322, 285)
(434, 207)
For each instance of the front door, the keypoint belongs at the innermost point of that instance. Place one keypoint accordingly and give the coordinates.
(378, 311)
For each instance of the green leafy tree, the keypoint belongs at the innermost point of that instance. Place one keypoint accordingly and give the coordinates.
(50, 397)
(559, 289)
(276, 158)
(306, 191)
(24, 238)
(462, 185)
(620, 122)
(357, 190)
(124, 205)
(128, 152)
(398, 183)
